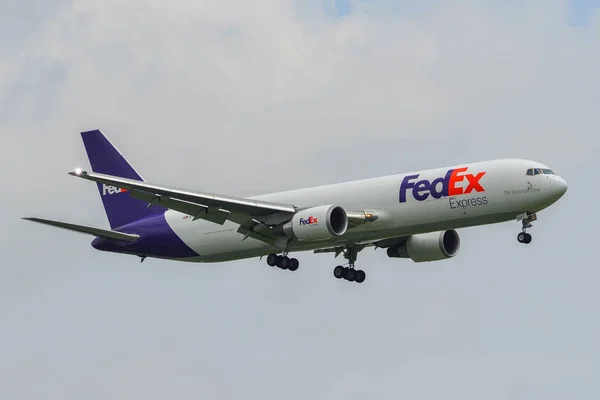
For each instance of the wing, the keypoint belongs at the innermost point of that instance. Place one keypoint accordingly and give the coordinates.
(253, 216)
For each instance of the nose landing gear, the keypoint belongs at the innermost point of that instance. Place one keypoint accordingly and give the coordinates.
(526, 220)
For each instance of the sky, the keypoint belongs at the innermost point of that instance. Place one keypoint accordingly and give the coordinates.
(243, 98)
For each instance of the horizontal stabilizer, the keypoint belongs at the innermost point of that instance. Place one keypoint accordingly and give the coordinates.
(89, 230)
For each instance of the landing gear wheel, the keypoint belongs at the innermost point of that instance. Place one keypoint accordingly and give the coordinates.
(294, 264)
(272, 260)
(524, 237)
(351, 275)
(284, 262)
(360, 276)
(339, 272)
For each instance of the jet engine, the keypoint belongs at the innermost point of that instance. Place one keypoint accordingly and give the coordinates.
(316, 223)
(431, 246)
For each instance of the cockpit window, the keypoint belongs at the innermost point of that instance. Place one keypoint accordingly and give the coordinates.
(539, 171)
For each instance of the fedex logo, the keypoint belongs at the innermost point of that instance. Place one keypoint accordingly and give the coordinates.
(441, 187)
(106, 189)
(308, 221)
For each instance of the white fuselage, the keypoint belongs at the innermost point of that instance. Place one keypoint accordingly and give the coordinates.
(501, 192)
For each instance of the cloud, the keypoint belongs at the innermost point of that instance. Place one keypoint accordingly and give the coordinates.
(242, 98)
(260, 87)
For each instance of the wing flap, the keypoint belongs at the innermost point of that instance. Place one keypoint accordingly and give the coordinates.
(197, 211)
(362, 244)
(103, 233)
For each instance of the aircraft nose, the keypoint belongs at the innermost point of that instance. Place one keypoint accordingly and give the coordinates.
(559, 187)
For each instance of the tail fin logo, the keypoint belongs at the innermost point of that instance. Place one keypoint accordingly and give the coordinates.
(107, 189)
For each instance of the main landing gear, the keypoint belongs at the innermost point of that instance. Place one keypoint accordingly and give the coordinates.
(282, 261)
(526, 219)
(349, 273)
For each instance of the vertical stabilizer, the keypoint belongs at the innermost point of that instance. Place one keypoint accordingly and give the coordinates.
(104, 158)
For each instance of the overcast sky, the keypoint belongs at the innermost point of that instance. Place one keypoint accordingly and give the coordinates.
(245, 97)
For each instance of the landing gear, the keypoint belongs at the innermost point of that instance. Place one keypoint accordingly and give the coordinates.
(283, 262)
(524, 237)
(349, 273)
(526, 220)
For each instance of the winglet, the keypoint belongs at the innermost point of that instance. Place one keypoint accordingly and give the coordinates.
(78, 173)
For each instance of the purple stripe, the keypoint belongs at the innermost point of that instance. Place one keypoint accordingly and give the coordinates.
(157, 239)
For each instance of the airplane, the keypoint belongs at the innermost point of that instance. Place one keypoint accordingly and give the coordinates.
(411, 215)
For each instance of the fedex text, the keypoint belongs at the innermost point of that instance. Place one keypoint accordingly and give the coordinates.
(107, 189)
(308, 221)
(448, 185)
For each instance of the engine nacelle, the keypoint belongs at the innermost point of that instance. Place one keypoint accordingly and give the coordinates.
(431, 246)
(316, 223)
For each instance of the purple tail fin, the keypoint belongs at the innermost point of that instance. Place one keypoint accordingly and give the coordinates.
(104, 158)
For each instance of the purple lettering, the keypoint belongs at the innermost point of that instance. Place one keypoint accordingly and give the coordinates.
(406, 185)
(422, 186)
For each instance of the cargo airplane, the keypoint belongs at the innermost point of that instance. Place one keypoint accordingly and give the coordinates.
(411, 215)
